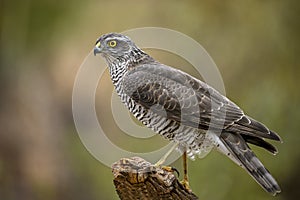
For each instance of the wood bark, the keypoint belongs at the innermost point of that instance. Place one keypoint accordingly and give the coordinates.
(136, 178)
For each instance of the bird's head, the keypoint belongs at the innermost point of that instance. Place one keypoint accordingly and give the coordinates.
(114, 45)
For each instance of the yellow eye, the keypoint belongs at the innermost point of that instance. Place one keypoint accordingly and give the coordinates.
(112, 43)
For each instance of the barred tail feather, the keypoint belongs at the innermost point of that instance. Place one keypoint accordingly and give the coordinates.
(241, 153)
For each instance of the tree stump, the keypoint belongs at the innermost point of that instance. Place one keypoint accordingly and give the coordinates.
(136, 178)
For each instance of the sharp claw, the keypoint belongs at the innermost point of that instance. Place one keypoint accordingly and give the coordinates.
(170, 169)
(174, 169)
(186, 185)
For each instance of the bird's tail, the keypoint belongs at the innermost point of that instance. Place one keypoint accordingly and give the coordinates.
(243, 155)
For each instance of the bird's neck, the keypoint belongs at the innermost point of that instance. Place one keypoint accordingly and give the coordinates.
(139, 57)
(136, 57)
(120, 66)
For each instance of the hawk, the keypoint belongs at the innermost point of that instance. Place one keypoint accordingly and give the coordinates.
(185, 110)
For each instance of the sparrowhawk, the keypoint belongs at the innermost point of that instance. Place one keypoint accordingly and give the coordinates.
(185, 110)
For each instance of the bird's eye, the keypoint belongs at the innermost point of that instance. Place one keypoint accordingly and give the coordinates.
(112, 43)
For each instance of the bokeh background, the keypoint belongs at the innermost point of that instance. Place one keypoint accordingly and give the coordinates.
(43, 43)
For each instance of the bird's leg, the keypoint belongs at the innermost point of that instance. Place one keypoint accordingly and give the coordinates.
(185, 181)
(164, 158)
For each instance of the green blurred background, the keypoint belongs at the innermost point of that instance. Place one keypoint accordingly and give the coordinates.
(43, 42)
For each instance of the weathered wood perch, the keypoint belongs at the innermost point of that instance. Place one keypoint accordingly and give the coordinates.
(135, 178)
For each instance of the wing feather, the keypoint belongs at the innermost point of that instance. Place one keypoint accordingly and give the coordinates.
(189, 101)
(184, 98)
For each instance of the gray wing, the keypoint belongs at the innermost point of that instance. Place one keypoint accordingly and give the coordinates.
(184, 98)
(191, 102)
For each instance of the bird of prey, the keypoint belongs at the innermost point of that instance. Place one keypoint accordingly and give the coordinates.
(185, 110)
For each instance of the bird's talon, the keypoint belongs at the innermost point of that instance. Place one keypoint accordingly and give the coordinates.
(170, 169)
(186, 185)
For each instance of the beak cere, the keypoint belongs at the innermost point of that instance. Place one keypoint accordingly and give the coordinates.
(97, 48)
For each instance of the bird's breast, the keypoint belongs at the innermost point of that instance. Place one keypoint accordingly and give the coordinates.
(193, 140)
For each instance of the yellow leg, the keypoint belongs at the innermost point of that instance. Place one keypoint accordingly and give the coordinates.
(185, 181)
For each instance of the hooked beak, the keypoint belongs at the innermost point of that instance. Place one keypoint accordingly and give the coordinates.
(97, 48)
